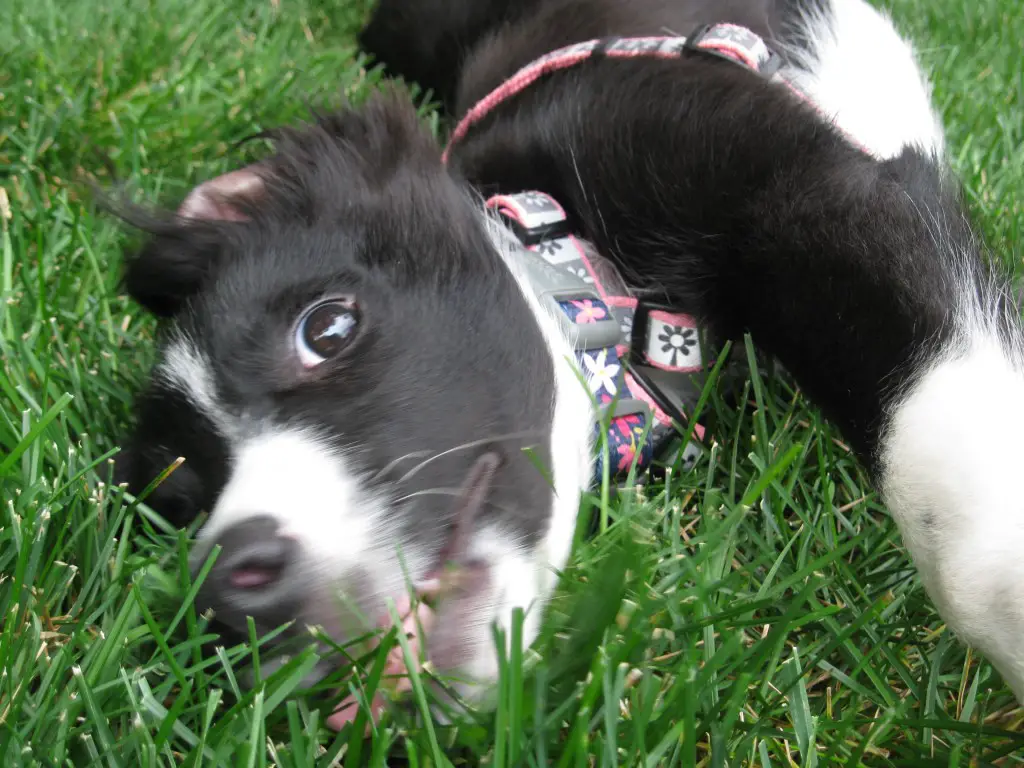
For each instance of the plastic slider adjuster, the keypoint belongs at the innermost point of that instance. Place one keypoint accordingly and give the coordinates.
(636, 360)
(594, 335)
(553, 286)
(626, 406)
(767, 69)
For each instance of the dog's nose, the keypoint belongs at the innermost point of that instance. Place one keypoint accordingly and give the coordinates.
(253, 556)
(253, 575)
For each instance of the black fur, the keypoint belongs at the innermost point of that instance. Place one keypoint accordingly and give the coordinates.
(720, 193)
(358, 204)
(731, 197)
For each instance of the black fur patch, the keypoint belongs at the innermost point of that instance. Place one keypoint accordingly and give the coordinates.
(356, 204)
(727, 195)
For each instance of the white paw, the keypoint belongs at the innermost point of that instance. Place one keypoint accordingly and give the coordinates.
(953, 465)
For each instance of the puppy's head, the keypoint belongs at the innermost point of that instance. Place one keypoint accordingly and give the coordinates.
(341, 343)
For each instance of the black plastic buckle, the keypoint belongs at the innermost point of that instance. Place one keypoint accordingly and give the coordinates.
(530, 237)
(654, 392)
(637, 349)
(766, 70)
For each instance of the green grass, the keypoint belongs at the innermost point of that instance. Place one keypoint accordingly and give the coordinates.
(759, 610)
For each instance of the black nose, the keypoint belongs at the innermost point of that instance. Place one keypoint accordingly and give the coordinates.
(252, 576)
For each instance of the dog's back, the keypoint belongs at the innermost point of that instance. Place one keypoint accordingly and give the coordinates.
(844, 54)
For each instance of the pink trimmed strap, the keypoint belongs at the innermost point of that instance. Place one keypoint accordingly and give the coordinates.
(729, 41)
(552, 213)
(560, 59)
(673, 318)
(541, 225)
(511, 206)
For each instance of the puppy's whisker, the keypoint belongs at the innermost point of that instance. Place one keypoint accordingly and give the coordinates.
(395, 462)
(412, 454)
(456, 493)
(466, 446)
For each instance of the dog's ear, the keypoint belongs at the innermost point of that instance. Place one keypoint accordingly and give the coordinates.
(186, 247)
(224, 198)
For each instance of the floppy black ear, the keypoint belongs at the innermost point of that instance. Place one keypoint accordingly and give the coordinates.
(185, 247)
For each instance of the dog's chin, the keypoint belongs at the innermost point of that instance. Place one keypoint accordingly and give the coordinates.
(447, 626)
(338, 638)
(324, 668)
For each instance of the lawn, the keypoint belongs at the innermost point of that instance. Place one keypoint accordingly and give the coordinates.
(759, 610)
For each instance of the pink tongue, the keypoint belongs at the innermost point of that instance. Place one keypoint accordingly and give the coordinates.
(252, 578)
(412, 619)
(346, 714)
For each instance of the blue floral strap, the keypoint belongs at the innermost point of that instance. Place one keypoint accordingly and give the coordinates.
(636, 421)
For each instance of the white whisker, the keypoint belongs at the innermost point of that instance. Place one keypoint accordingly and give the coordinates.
(465, 446)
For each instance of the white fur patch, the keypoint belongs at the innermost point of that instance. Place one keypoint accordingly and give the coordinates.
(572, 424)
(185, 369)
(520, 581)
(319, 500)
(952, 465)
(862, 74)
(525, 579)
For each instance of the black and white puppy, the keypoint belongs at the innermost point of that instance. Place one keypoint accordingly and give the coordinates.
(346, 332)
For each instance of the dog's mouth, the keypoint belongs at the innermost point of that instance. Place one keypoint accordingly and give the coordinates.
(457, 578)
(430, 615)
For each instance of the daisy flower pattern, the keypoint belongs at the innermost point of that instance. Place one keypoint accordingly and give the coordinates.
(535, 201)
(629, 430)
(550, 247)
(602, 372)
(626, 445)
(676, 341)
(585, 310)
(627, 453)
(581, 273)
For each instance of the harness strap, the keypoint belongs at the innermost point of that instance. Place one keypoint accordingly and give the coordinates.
(608, 343)
(630, 351)
(654, 335)
(729, 41)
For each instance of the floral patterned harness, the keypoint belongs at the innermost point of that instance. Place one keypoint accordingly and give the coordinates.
(643, 362)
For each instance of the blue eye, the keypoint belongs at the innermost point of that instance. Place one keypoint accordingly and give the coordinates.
(325, 330)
